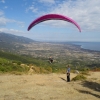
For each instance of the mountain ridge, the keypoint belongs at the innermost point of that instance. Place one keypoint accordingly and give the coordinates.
(13, 38)
(9, 42)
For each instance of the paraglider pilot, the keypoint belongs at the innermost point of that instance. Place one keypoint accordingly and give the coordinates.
(50, 59)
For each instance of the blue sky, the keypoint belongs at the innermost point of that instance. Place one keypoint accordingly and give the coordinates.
(16, 15)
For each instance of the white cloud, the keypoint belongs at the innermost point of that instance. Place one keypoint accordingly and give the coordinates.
(32, 8)
(86, 13)
(47, 1)
(5, 7)
(1, 13)
(4, 21)
(15, 32)
(12, 31)
(3, 1)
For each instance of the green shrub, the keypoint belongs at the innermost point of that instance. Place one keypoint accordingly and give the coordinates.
(49, 69)
(79, 77)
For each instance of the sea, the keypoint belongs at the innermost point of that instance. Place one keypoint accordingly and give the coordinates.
(89, 45)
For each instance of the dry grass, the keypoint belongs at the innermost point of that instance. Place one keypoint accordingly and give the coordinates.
(49, 87)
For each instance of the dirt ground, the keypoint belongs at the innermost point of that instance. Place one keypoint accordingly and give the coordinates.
(49, 87)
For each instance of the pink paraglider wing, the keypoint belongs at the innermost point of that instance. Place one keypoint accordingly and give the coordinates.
(53, 17)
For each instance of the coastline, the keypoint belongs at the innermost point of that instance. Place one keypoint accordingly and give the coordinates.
(85, 46)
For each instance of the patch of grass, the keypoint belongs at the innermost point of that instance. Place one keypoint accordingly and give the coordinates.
(85, 72)
(79, 77)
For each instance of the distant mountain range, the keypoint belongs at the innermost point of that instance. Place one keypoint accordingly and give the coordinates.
(9, 38)
(9, 42)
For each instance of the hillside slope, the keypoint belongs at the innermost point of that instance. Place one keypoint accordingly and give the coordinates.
(12, 43)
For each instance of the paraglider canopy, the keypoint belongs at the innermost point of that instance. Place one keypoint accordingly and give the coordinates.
(53, 17)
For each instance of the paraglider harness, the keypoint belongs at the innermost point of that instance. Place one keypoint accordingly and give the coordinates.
(68, 77)
(51, 60)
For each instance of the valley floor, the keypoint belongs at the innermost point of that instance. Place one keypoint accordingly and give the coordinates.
(49, 87)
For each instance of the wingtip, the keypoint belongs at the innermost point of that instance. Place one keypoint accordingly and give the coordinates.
(28, 29)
